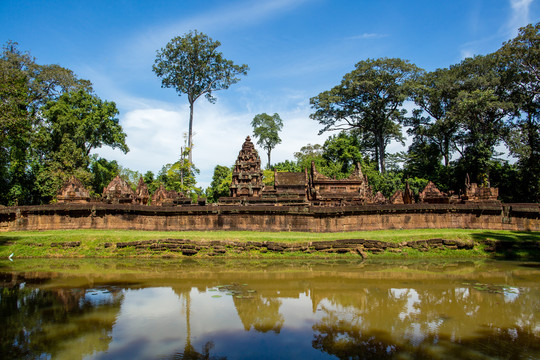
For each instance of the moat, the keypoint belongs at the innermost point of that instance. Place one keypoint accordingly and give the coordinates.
(236, 309)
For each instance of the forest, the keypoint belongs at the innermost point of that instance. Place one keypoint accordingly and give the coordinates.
(479, 117)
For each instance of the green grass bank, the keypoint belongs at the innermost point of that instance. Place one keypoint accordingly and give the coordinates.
(103, 243)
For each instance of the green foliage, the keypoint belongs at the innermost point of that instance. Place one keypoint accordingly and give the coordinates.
(103, 172)
(192, 65)
(368, 99)
(221, 181)
(287, 166)
(343, 148)
(268, 177)
(266, 129)
(25, 87)
(130, 176)
(180, 176)
(435, 93)
(71, 127)
(522, 74)
(49, 121)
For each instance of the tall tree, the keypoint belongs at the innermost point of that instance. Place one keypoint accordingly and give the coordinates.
(25, 87)
(266, 129)
(192, 65)
(522, 57)
(481, 108)
(72, 126)
(435, 93)
(369, 99)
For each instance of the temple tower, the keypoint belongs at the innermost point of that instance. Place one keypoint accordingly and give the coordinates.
(247, 174)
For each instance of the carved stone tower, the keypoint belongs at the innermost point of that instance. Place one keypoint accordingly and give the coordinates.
(247, 174)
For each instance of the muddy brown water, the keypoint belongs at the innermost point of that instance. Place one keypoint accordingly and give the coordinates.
(233, 309)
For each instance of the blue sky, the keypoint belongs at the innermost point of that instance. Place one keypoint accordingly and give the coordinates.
(295, 49)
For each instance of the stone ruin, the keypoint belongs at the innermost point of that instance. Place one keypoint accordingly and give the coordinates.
(432, 195)
(290, 188)
(164, 197)
(247, 174)
(73, 191)
(478, 194)
(142, 193)
(402, 197)
(246, 184)
(353, 190)
(118, 192)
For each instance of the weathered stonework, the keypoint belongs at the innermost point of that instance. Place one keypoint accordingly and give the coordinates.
(325, 191)
(359, 247)
(475, 194)
(515, 217)
(247, 174)
(73, 191)
(118, 192)
(432, 195)
(164, 197)
(142, 193)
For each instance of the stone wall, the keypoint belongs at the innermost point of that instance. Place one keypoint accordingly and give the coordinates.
(518, 217)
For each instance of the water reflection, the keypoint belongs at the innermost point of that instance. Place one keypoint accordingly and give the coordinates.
(262, 310)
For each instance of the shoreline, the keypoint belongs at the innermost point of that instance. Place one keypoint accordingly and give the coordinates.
(420, 243)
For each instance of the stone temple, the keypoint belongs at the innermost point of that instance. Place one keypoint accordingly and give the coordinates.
(307, 188)
(247, 174)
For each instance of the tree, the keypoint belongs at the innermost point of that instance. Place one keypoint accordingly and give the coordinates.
(71, 127)
(180, 176)
(481, 108)
(103, 172)
(436, 92)
(192, 65)
(522, 58)
(266, 129)
(344, 149)
(221, 181)
(368, 99)
(25, 87)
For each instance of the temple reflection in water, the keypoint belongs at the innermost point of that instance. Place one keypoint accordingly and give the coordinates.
(322, 311)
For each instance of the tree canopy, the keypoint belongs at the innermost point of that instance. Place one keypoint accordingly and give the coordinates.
(192, 65)
(266, 129)
(50, 120)
(369, 100)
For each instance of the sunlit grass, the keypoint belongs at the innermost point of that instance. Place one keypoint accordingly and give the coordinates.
(38, 243)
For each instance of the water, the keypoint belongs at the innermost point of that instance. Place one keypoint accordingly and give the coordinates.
(76, 309)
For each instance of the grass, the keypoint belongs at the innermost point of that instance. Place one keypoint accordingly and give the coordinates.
(38, 243)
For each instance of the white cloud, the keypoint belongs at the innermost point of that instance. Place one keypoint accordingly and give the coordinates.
(520, 15)
(466, 53)
(155, 136)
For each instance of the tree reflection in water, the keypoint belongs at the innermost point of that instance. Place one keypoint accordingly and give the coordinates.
(260, 313)
(335, 311)
(57, 323)
(190, 353)
(422, 325)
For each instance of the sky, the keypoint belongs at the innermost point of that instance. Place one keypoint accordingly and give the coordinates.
(295, 49)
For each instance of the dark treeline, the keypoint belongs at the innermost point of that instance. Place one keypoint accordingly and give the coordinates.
(51, 120)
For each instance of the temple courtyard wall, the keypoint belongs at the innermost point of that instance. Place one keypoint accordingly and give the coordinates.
(516, 217)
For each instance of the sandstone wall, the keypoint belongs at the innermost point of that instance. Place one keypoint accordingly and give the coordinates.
(518, 217)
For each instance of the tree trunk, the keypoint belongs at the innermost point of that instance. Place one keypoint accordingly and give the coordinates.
(446, 153)
(381, 158)
(380, 148)
(190, 131)
(268, 165)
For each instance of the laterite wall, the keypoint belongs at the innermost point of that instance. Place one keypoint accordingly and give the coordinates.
(518, 217)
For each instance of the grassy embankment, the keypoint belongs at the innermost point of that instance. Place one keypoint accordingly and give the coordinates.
(34, 244)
